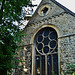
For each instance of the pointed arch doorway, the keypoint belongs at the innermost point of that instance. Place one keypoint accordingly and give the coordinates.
(46, 52)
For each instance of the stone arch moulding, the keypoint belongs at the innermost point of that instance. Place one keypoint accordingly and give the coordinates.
(33, 46)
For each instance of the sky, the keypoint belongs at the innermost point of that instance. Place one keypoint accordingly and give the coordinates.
(70, 4)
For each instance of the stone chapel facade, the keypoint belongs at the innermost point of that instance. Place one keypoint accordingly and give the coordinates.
(50, 41)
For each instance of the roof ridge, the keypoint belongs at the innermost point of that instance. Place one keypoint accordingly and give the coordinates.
(63, 7)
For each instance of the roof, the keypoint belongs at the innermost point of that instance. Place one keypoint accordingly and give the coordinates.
(63, 7)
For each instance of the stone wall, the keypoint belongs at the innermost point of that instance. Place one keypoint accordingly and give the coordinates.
(67, 52)
(65, 23)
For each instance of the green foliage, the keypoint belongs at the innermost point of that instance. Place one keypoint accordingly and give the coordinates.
(71, 68)
(10, 34)
(53, 73)
(73, 73)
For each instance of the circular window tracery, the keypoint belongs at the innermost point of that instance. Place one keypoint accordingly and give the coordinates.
(53, 44)
(46, 33)
(46, 49)
(52, 35)
(46, 41)
(40, 46)
(40, 38)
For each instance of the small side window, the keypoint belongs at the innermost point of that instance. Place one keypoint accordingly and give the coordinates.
(44, 10)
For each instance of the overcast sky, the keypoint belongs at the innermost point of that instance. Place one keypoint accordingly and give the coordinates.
(70, 4)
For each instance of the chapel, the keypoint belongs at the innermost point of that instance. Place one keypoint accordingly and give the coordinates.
(49, 43)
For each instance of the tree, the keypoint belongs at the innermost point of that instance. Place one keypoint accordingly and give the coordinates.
(9, 32)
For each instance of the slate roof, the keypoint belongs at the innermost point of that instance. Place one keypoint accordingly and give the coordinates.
(63, 7)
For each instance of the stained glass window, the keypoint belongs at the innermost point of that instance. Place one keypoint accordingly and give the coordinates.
(46, 49)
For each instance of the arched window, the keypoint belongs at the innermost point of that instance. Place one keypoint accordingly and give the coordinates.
(46, 52)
